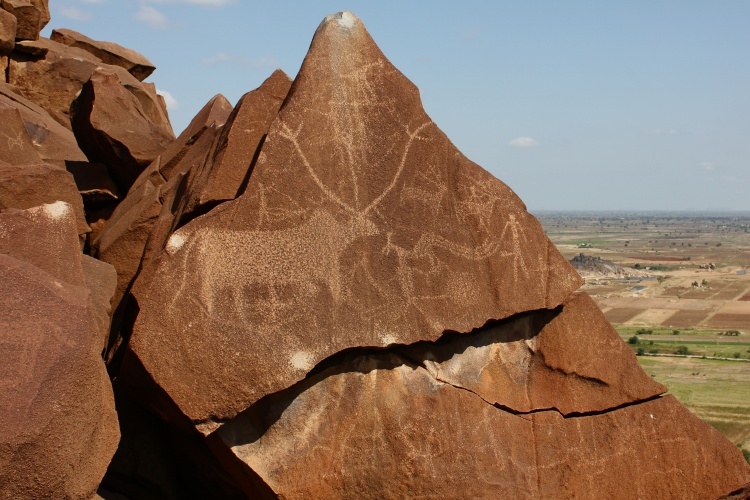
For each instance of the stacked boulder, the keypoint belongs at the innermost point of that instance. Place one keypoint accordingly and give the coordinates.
(58, 428)
(311, 294)
(328, 300)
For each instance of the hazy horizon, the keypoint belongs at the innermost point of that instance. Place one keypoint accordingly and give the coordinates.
(575, 105)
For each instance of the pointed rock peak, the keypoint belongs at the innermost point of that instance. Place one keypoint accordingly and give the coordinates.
(360, 224)
(344, 21)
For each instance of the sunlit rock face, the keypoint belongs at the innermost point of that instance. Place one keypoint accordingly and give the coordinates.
(339, 304)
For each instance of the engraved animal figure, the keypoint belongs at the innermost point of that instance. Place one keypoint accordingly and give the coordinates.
(304, 256)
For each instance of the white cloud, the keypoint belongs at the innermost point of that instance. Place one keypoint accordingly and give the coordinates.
(660, 131)
(75, 14)
(152, 17)
(523, 142)
(708, 167)
(172, 103)
(224, 58)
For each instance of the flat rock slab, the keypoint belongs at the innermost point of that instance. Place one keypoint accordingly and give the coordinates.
(109, 53)
(361, 225)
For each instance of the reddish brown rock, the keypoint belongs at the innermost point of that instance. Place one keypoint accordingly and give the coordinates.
(227, 172)
(113, 127)
(7, 32)
(570, 360)
(101, 280)
(15, 146)
(400, 433)
(94, 183)
(28, 17)
(109, 53)
(361, 225)
(53, 142)
(53, 77)
(26, 186)
(123, 239)
(58, 427)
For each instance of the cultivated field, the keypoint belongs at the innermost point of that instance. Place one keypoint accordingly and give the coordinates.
(685, 306)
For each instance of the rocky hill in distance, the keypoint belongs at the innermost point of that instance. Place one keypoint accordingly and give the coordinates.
(309, 294)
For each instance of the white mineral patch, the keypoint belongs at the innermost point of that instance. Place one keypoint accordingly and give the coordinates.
(345, 19)
(301, 360)
(174, 243)
(56, 210)
(388, 339)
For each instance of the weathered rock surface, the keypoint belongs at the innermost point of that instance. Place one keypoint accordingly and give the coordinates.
(8, 26)
(361, 225)
(570, 360)
(51, 74)
(227, 172)
(123, 240)
(58, 428)
(387, 418)
(52, 142)
(101, 280)
(28, 17)
(108, 52)
(26, 186)
(113, 127)
(511, 411)
(94, 183)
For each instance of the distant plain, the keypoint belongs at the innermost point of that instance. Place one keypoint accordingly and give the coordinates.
(685, 308)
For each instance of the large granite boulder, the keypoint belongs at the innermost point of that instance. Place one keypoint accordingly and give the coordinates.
(114, 127)
(108, 52)
(58, 427)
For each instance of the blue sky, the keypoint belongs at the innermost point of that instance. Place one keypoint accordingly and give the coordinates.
(576, 105)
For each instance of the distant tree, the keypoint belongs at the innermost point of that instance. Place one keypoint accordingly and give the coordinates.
(682, 350)
(633, 340)
(675, 332)
(736, 355)
(640, 351)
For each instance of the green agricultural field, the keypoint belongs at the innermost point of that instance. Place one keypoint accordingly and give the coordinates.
(716, 391)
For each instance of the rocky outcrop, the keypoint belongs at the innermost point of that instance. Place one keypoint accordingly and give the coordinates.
(58, 429)
(113, 127)
(52, 142)
(8, 26)
(108, 52)
(123, 240)
(361, 225)
(372, 291)
(27, 186)
(51, 74)
(31, 16)
(313, 294)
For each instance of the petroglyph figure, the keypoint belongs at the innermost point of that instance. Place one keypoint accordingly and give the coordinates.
(306, 256)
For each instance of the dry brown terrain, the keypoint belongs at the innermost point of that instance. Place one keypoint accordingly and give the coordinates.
(676, 252)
